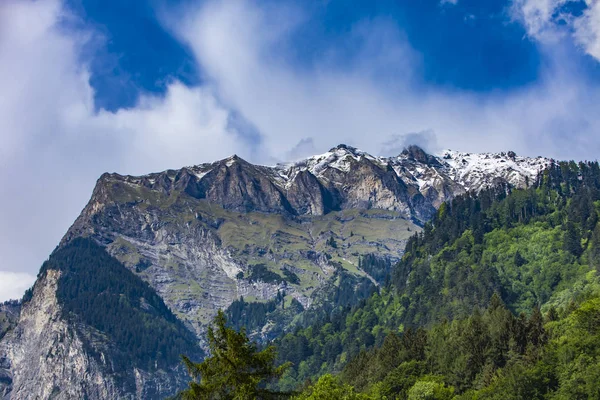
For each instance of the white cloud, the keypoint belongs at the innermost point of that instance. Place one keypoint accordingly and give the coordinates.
(13, 285)
(539, 16)
(334, 104)
(587, 29)
(397, 143)
(450, 2)
(547, 21)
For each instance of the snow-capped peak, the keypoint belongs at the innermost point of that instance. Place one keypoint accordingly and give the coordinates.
(478, 170)
(438, 177)
(355, 178)
(339, 157)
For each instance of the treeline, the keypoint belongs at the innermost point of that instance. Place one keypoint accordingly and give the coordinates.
(96, 290)
(564, 193)
(461, 354)
(377, 267)
(523, 244)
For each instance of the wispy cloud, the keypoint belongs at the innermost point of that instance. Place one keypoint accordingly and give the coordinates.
(549, 20)
(397, 143)
(587, 29)
(360, 105)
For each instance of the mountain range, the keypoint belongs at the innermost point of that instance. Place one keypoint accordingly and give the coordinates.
(139, 275)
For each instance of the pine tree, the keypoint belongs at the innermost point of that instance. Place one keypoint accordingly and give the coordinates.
(572, 239)
(594, 252)
(536, 332)
(519, 260)
(552, 314)
(331, 242)
(236, 370)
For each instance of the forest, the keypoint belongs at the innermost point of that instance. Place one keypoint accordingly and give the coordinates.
(492, 354)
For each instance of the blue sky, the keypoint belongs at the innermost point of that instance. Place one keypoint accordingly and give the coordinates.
(471, 45)
(136, 86)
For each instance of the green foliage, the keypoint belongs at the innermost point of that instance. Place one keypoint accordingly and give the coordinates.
(342, 291)
(332, 243)
(329, 344)
(526, 245)
(490, 355)
(252, 316)
(9, 315)
(594, 249)
(97, 290)
(328, 388)
(236, 369)
(377, 267)
(290, 276)
(429, 389)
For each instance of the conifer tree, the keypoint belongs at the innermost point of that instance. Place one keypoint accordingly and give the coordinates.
(594, 255)
(236, 370)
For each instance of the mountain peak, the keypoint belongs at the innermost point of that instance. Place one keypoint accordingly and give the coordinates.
(416, 153)
(229, 161)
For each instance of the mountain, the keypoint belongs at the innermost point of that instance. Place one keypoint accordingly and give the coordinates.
(273, 246)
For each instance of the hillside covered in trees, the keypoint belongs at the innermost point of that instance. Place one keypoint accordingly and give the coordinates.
(497, 297)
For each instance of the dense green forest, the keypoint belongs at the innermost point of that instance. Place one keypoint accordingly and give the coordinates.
(492, 354)
(97, 290)
(498, 294)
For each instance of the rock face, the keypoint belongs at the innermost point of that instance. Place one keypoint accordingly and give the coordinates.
(37, 349)
(51, 354)
(200, 236)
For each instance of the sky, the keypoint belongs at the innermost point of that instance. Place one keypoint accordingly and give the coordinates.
(137, 86)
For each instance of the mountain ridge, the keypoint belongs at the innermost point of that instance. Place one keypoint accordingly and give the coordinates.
(437, 177)
(310, 234)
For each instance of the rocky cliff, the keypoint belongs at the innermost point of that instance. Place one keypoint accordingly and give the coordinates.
(204, 236)
(62, 348)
